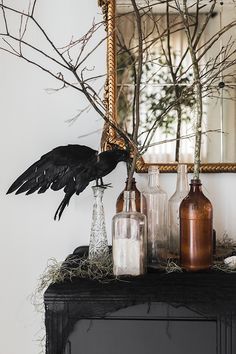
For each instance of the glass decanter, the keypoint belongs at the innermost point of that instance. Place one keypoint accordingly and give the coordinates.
(129, 239)
(98, 244)
(182, 189)
(156, 200)
(196, 230)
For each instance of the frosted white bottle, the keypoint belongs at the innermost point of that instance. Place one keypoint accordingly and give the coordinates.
(129, 244)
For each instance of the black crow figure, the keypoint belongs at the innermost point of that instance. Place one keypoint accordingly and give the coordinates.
(71, 167)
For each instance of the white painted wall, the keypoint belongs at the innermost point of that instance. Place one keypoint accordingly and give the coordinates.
(32, 123)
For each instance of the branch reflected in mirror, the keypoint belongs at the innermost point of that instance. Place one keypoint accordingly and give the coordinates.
(167, 92)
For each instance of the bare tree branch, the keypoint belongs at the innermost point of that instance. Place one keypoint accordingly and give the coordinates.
(4, 17)
(33, 8)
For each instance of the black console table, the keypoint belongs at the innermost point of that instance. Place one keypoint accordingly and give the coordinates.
(177, 313)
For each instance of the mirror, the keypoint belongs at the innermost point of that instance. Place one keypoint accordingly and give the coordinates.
(167, 77)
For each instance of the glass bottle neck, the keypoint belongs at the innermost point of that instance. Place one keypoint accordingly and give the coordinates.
(153, 180)
(195, 186)
(98, 193)
(133, 184)
(182, 181)
(129, 201)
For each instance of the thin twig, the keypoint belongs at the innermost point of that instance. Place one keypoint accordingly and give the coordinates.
(183, 137)
(4, 17)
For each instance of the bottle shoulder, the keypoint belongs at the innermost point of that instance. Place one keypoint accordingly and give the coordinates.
(154, 190)
(178, 195)
(129, 215)
(193, 197)
(196, 207)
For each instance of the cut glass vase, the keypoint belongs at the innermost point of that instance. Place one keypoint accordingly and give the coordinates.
(98, 244)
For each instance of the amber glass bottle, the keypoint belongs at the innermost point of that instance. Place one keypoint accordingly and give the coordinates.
(120, 199)
(196, 232)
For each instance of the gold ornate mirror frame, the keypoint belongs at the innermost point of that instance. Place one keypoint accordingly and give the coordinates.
(109, 135)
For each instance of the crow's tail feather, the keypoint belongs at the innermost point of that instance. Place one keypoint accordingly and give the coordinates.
(69, 190)
(65, 201)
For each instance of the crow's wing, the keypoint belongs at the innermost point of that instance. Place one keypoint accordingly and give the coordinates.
(57, 169)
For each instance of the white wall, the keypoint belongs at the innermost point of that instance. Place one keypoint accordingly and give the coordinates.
(32, 123)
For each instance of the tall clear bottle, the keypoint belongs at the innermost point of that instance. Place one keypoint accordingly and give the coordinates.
(180, 193)
(129, 243)
(156, 201)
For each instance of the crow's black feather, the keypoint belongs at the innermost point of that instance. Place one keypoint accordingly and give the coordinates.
(70, 168)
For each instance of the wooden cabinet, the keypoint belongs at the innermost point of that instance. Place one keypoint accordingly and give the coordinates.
(145, 333)
(159, 313)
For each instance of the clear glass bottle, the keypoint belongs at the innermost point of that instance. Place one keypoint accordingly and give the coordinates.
(129, 244)
(182, 189)
(156, 201)
(98, 244)
(196, 231)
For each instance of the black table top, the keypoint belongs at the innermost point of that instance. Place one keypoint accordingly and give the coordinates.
(212, 290)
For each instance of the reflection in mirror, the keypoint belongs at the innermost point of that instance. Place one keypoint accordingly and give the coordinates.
(167, 105)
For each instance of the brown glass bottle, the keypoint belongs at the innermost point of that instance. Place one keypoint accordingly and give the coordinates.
(120, 199)
(196, 231)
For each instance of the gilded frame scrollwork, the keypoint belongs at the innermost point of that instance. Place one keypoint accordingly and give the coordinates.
(109, 135)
